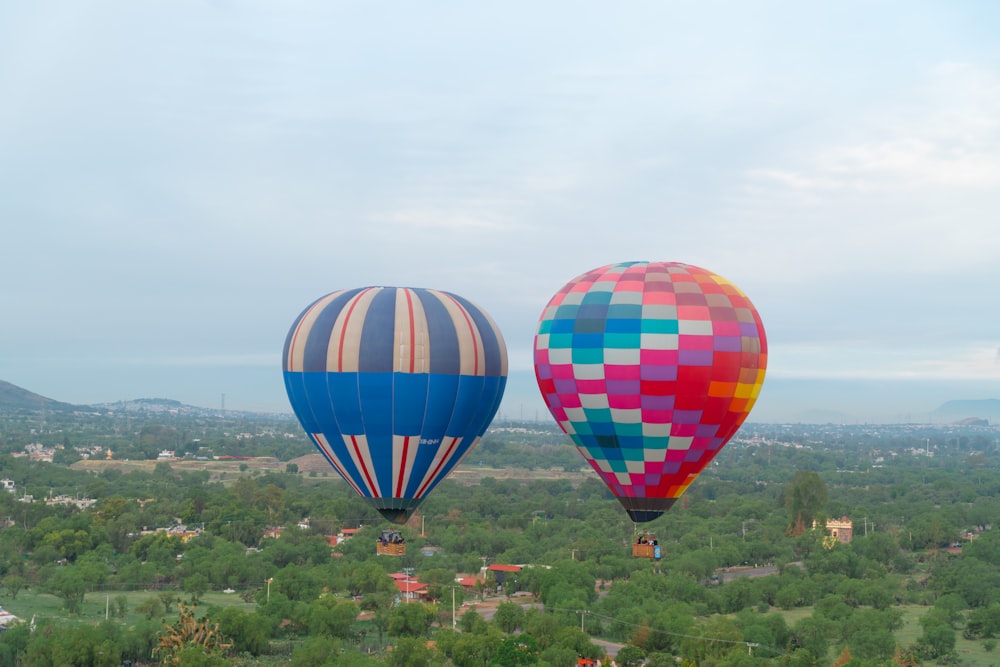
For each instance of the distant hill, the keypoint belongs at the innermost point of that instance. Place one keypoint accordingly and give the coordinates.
(13, 397)
(988, 408)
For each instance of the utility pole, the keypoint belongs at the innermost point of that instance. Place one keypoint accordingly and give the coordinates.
(407, 584)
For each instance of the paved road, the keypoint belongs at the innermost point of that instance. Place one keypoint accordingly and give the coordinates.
(610, 648)
(737, 572)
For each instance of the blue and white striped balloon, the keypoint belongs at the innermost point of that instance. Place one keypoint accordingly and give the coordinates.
(394, 386)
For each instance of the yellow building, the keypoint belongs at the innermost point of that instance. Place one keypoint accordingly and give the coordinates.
(837, 530)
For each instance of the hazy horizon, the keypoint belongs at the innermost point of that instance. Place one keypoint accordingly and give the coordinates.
(782, 400)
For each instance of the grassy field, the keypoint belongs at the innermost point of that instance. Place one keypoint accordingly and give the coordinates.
(225, 469)
(970, 653)
(230, 471)
(97, 605)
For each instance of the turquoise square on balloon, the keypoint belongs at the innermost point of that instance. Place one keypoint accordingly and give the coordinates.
(588, 355)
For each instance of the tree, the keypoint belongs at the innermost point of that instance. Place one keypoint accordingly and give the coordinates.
(297, 582)
(813, 635)
(69, 543)
(121, 606)
(951, 606)
(196, 585)
(163, 469)
(81, 644)
(151, 607)
(515, 651)
(71, 583)
(411, 620)
(509, 616)
(332, 617)
(880, 547)
(315, 652)
(249, 632)
(630, 656)
(871, 642)
(983, 622)
(938, 637)
(14, 642)
(475, 650)
(472, 622)
(736, 595)
(368, 578)
(558, 655)
(13, 583)
(974, 580)
(567, 584)
(409, 652)
(805, 498)
(197, 656)
(191, 641)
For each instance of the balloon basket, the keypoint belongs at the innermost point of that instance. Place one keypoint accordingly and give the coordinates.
(390, 549)
(647, 546)
(390, 543)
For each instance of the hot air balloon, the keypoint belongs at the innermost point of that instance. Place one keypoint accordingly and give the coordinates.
(394, 386)
(650, 368)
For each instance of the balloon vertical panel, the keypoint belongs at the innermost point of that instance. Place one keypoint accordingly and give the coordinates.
(394, 386)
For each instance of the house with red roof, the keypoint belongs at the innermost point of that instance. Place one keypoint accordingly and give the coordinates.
(468, 583)
(409, 588)
(502, 572)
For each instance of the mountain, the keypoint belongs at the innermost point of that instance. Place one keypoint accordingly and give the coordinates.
(987, 408)
(13, 397)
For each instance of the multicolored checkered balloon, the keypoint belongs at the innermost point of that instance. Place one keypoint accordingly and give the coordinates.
(650, 367)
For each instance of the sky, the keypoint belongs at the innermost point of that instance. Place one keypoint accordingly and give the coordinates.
(178, 180)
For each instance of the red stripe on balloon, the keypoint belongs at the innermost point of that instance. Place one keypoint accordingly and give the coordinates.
(444, 459)
(402, 467)
(328, 455)
(364, 469)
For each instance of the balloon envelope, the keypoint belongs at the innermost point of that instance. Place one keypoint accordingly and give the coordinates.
(394, 386)
(650, 367)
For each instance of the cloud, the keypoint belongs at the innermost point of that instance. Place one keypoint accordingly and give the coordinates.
(847, 360)
(875, 198)
(946, 134)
